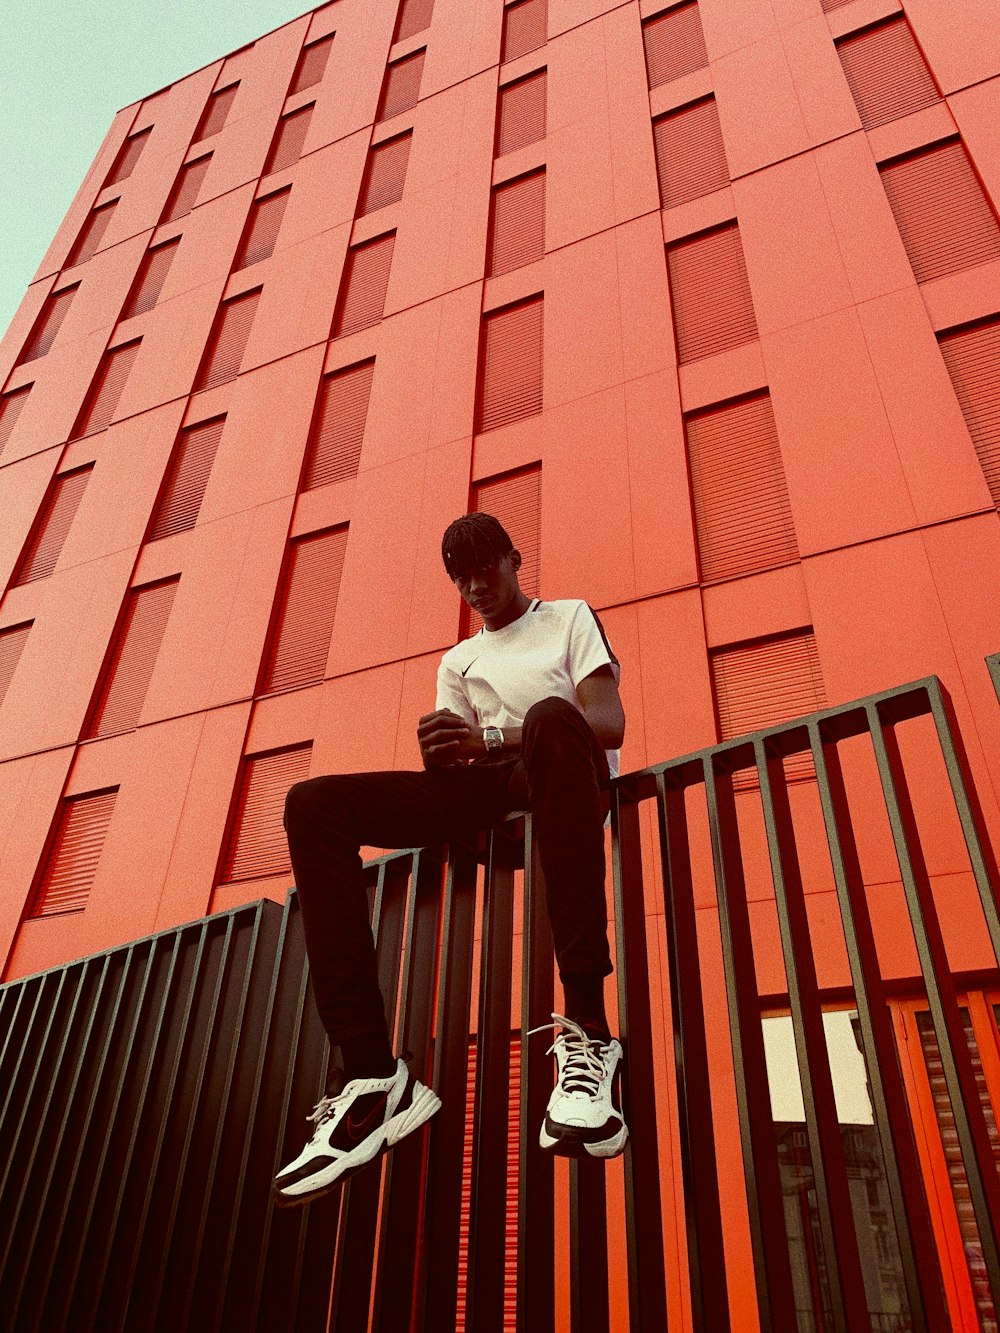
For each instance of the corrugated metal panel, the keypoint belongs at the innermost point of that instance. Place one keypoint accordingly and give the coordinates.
(190, 470)
(312, 64)
(129, 669)
(11, 407)
(255, 845)
(690, 154)
(307, 605)
(364, 285)
(972, 356)
(12, 641)
(402, 86)
(943, 216)
(517, 229)
(886, 72)
(757, 685)
(53, 524)
(414, 17)
(339, 426)
(830, 5)
(74, 855)
(386, 174)
(525, 28)
(742, 514)
(216, 113)
(91, 234)
(713, 307)
(674, 44)
(228, 341)
(262, 233)
(152, 276)
(47, 325)
(184, 195)
(289, 139)
(516, 500)
(128, 156)
(107, 389)
(521, 118)
(511, 365)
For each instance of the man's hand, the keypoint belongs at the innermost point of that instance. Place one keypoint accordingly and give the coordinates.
(446, 739)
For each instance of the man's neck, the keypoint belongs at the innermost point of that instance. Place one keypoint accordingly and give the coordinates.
(513, 612)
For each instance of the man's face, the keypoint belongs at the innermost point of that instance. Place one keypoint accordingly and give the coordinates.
(491, 591)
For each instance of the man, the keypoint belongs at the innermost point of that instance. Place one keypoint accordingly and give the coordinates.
(527, 716)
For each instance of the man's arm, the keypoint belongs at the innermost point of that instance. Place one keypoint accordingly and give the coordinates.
(602, 707)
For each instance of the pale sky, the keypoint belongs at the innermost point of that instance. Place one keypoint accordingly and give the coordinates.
(67, 67)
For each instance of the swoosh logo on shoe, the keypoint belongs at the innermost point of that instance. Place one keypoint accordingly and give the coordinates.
(360, 1129)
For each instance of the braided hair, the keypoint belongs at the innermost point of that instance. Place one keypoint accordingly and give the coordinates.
(474, 541)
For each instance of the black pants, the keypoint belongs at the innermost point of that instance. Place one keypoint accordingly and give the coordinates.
(559, 777)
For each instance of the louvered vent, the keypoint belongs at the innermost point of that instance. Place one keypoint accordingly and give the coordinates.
(128, 156)
(149, 282)
(713, 308)
(289, 139)
(414, 17)
(830, 5)
(402, 86)
(525, 28)
(186, 189)
(11, 406)
(188, 476)
(312, 65)
(742, 515)
(516, 500)
(511, 365)
(760, 684)
(74, 854)
(943, 216)
(52, 526)
(107, 389)
(674, 44)
(216, 113)
(886, 72)
(364, 285)
(228, 341)
(255, 844)
(129, 668)
(521, 116)
(972, 356)
(12, 641)
(48, 323)
(517, 229)
(385, 174)
(690, 154)
(261, 234)
(339, 426)
(305, 611)
(91, 234)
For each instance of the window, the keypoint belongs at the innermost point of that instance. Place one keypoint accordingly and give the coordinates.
(216, 113)
(187, 478)
(91, 234)
(364, 285)
(106, 390)
(525, 28)
(385, 174)
(261, 234)
(228, 341)
(130, 663)
(312, 65)
(289, 139)
(11, 406)
(52, 526)
(150, 279)
(304, 612)
(972, 355)
(521, 113)
(12, 641)
(74, 854)
(187, 187)
(511, 365)
(401, 88)
(886, 72)
(338, 429)
(128, 156)
(713, 308)
(690, 154)
(516, 500)
(255, 844)
(517, 227)
(48, 323)
(674, 44)
(414, 17)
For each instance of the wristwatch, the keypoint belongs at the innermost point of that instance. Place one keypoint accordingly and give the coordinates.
(492, 738)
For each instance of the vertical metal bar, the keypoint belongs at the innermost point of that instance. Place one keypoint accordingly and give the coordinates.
(643, 1216)
(703, 1216)
(588, 1249)
(772, 1268)
(43, 1019)
(833, 1198)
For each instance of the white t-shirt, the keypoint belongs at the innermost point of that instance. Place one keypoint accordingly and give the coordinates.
(493, 678)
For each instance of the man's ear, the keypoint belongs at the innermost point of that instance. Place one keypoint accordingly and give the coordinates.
(515, 559)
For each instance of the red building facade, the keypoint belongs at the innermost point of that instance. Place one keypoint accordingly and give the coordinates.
(703, 299)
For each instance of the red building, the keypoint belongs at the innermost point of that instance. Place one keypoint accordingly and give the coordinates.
(703, 299)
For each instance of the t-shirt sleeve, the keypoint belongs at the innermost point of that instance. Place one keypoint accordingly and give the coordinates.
(589, 648)
(451, 694)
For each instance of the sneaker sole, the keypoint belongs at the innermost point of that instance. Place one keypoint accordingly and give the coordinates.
(571, 1145)
(425, 1103)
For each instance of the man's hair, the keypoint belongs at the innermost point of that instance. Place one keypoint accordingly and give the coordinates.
(474, 541)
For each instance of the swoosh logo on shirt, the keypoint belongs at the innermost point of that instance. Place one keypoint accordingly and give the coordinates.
(359, 1129)
(471, 664)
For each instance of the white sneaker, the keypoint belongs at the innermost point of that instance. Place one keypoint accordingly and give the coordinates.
(353, 1127)
(584, 1116)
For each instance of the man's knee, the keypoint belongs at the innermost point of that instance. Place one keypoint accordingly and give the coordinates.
(305, 801)
(551, 712)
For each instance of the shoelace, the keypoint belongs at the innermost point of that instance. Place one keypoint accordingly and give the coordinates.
(584, 1069)
(323, 1109)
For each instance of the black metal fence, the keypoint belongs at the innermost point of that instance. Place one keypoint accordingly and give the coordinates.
(148, 1093)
